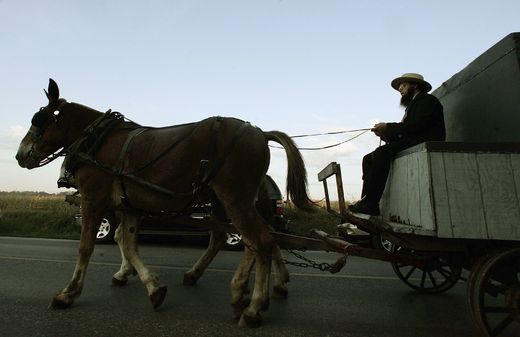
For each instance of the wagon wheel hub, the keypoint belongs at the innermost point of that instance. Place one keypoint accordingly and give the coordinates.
(513, 301)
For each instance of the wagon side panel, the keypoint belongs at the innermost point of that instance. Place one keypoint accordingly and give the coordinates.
(499, 195)
(407, 199)
(440, 195)
(464, 196)
(515, 164)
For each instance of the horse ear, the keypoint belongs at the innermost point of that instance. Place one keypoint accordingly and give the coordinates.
(54, 92)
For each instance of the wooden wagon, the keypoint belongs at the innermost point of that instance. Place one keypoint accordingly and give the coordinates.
(449, 207)
(455, 205)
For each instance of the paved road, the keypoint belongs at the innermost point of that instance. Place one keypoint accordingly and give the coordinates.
(365, 299)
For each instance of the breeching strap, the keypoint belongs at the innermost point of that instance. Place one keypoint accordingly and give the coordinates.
(218, 160)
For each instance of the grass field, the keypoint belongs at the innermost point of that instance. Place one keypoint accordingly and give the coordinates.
(37, 214)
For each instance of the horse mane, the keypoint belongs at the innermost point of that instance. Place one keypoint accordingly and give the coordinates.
(76, 106)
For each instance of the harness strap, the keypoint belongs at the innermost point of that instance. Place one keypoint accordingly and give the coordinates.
(91, 140)
(220, 160)
(124, 149)
(208, 169)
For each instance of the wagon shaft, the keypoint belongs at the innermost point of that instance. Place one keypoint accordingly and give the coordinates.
(348, 248)
(284, 240)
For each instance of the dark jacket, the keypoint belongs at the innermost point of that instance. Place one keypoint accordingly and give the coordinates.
(423, 121)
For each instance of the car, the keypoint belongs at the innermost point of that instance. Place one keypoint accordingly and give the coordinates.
(170, 224)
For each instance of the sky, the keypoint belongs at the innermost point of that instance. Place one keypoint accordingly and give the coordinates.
(298, 66)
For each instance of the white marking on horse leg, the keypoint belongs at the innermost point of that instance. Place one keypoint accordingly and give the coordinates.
(129, 228)
(215, 244)
(121, 276)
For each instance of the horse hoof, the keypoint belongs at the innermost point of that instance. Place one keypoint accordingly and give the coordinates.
(238, 308)
(280, 291)
(60, 302)
(118, 282)
(247, 321)
(157, 297)
(189, 279)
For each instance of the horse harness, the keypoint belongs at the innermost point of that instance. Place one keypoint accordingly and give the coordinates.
(84, 150)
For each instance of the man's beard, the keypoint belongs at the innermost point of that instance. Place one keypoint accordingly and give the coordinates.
(407, 98)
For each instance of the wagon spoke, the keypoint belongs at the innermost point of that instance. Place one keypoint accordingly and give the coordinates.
(423, 279)
(502, 325)
(437, 277)
(410, 273)
(432, 279)
(446, 273)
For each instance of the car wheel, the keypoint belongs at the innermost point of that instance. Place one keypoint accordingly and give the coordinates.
(107, 229)
(233, 242)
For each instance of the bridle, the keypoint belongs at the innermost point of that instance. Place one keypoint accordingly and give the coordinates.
(52, 118)
(36, 133)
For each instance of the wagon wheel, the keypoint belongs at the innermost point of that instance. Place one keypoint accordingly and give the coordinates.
(495, 293)
(475, 272)
(439, 275)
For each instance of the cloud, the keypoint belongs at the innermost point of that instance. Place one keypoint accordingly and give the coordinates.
(10, 137)
(17, 132)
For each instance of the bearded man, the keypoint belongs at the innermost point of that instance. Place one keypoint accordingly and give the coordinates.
(423, 121)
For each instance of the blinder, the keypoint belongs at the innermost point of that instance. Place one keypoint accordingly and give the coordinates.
(42, 119)
(39, 123)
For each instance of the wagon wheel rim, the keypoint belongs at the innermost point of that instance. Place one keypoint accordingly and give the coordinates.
(475, 271)
(436, 277)
(496, 294)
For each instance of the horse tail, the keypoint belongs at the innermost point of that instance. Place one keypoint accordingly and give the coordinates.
(296, 173)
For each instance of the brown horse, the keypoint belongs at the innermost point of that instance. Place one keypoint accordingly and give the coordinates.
(120, 165)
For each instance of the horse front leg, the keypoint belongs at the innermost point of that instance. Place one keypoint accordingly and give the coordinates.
(91, 218)
(120, 278)
(216, 241)
(128, 241)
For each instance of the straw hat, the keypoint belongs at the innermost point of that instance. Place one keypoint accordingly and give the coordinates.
(412, 78)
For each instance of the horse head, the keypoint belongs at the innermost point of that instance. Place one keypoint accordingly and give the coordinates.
(47, 132)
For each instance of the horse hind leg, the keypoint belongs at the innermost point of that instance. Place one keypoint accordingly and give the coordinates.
(120, 278)
(240, 281)
(216, 241)
(280, 275)
(215, 244)
(258, 251)
(262, 246)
